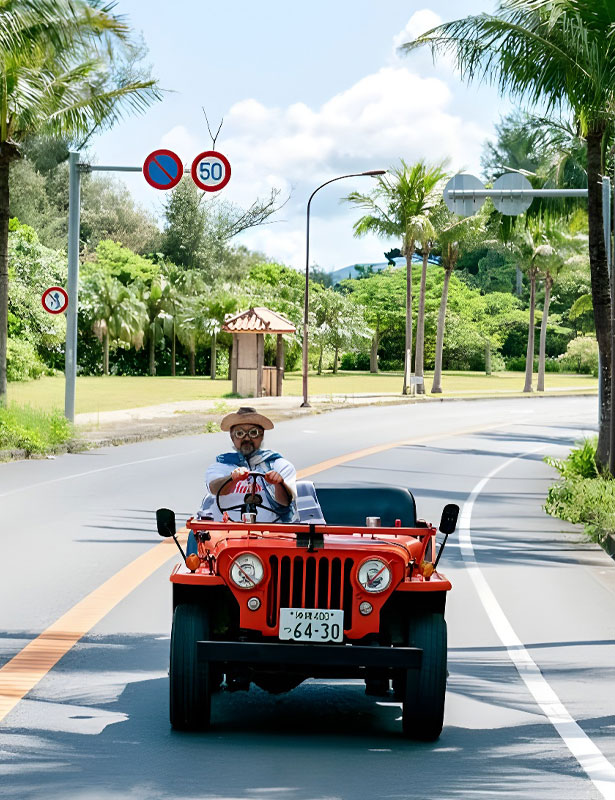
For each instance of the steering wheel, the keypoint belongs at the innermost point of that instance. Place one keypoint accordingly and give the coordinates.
(251, 501)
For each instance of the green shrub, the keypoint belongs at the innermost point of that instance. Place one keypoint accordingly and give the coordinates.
(583, 496)
(391, 365)
(581, 356)
(497, 362)
(36, 432)
(579, 463)
(590, 501)
(22, 361)
(352, 361)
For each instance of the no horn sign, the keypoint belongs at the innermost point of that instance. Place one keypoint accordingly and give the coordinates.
(55, 300)
(163, 169)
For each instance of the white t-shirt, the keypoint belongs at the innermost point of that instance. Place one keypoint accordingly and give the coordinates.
(219, 470)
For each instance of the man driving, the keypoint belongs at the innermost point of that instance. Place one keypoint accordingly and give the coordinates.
(275, 489)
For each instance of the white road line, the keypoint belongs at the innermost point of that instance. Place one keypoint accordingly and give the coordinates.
(599, 770)
(93, 471)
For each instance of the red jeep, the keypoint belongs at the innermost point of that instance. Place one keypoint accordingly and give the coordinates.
(350, 591)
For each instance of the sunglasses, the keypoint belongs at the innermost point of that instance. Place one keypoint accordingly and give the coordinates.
(253, 433)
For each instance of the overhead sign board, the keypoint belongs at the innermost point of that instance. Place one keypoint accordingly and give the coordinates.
(163, 169)
(55, 300)
(211, 171)
(467, 205)
(512, 204)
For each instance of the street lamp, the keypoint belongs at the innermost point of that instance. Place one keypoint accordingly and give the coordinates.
(372, 173)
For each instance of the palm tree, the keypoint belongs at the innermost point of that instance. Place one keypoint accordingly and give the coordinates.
(536, 242)
(155, 297)
(182, 284)
(59, 75)
(398, 206)
(433, 221)
(558, 54)
(219, 304)
(116, 313)
(550, 270)
(458, 235)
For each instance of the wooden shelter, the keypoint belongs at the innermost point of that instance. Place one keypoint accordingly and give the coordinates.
(250, 376)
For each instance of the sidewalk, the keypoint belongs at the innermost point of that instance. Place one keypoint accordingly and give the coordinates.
(99, 429)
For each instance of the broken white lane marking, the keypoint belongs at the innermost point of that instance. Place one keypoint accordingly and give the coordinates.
(599, 770)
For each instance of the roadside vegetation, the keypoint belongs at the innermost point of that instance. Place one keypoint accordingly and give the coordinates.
(100, 393)
(36, 431)
(583, 494)
(489, 294)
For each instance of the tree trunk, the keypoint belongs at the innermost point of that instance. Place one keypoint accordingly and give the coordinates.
(4, 271)
(319, 371)
(152, 350)
(436, 387)
(420, 327)
(373, 352)
(600, 288)
(408, 252)
(543, 335)
(191, 361)
(173, 354)
(212, 366)
(529, 358)
(487, 357)
(106, 352)
(335, 360)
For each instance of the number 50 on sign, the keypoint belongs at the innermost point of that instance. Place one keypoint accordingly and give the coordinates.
(211, 171)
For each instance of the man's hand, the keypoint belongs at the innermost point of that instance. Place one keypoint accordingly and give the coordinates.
(240, 473)
(273, 477)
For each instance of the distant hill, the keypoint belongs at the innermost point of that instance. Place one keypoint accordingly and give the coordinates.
(351, 271)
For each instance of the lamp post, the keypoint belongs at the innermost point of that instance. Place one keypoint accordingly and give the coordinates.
(371, 173)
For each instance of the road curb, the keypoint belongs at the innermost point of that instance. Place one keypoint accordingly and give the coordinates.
(190, 424)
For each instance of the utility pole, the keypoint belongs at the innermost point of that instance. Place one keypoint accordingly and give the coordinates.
(75, 168)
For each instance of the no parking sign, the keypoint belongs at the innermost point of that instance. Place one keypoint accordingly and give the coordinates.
(163, 169)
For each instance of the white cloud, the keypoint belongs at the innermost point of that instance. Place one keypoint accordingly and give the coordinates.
(420, 22)
(391, 114)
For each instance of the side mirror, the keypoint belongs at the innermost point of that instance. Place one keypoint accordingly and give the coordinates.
(448, 522)
(165, 522)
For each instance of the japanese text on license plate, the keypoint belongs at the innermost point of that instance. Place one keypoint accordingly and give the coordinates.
(311, 624)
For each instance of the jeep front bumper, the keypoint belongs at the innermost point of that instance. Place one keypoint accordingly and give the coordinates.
(273, 656)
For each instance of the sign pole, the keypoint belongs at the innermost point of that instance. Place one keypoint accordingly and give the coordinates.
(70, 364)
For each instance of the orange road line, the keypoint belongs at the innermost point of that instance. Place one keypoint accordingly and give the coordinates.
(21, 674)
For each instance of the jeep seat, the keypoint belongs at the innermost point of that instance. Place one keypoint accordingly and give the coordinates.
(307, 503)
(350, 505)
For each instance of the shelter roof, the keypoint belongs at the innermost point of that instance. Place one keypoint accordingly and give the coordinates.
(258, 320)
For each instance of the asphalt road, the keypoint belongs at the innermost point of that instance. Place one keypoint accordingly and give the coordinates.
(530, 619)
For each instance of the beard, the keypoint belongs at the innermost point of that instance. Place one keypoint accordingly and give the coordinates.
(246, 448)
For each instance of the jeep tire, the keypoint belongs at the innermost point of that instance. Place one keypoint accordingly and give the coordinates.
(423, 701)
(189, 685)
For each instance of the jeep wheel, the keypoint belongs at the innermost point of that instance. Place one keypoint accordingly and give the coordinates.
(423, 703)
(188, 680)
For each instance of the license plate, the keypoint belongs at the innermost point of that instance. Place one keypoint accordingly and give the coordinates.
(311, 624)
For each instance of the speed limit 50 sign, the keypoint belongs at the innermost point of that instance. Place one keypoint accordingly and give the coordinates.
(211, 171)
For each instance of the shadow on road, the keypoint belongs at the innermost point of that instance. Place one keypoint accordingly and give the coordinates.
(97, 729)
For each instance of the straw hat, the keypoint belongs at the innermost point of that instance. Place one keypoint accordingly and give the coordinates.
(245, 416)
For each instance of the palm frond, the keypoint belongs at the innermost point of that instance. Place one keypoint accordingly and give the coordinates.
(553, 53)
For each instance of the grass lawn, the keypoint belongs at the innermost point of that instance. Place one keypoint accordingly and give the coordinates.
(118, 392)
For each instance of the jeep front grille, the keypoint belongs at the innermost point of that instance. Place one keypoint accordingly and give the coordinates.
(309, 582)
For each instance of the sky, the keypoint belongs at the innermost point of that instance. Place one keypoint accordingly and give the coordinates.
(307, 91)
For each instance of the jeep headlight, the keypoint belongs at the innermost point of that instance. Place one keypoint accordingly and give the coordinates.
(374, 575)
(247, 571)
